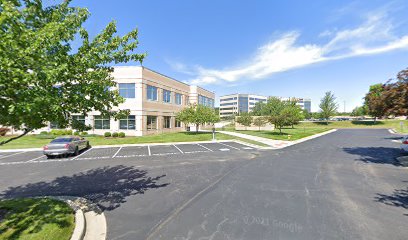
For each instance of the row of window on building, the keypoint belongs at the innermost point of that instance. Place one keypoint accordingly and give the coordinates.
(128, 123)
(203, 100)
(127, 90)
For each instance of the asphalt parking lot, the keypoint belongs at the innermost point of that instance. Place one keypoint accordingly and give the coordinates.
(24, 157)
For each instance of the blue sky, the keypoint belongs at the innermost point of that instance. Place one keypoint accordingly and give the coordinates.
(281, 48)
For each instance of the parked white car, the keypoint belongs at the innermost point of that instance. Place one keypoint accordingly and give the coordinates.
(404, 144)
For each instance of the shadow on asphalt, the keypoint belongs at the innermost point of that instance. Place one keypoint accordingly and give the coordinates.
(107, 187)
(380, 155)
(399, 198)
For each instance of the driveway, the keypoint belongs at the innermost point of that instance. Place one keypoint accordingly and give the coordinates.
(344, 185)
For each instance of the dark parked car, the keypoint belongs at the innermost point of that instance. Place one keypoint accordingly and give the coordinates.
(65, 145)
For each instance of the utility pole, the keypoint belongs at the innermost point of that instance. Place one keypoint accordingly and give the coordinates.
(344, 106)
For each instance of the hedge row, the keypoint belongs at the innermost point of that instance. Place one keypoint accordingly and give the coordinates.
(115, 134)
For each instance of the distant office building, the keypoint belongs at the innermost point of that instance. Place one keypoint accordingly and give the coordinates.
(304, 103)
(234, 104)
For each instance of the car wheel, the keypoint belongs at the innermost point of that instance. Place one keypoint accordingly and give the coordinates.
(76, 153)
(50, 156)
(88, 146)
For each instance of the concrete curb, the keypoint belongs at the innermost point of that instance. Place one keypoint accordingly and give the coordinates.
(90, 221)
(80, 226)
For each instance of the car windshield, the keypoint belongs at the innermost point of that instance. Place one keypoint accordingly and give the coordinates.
(61, 140)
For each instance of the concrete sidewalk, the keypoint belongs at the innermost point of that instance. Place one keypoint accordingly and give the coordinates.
(275, 144)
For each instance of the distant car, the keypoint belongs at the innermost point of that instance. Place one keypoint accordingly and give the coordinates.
(65, 145)
(404, 144)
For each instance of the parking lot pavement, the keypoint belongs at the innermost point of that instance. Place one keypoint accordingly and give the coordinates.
(8, 158)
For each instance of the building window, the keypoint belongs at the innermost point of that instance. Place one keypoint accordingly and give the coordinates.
(127, 90)
(79, 118)
(187, 100)
(178, 123)
(151, 122)
(178, 98)
(166, 96)
(54, 125)
(166, 122)
(101, 122)
(128, 124)
(151, 93)
(209, 102)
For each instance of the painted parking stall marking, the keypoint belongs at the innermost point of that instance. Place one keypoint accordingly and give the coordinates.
(136, 152)
(164, 150)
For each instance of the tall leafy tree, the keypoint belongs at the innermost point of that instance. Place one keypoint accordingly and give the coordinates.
(328, 106)
(244, 119)
(293, 112)
(275, 113)
(43, 78)
(375, 101)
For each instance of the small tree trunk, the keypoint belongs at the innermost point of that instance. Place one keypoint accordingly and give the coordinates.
(197, 126)
(14, 138)
(280, 130)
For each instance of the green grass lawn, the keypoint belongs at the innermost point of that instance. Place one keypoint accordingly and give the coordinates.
(305, 129)
(394, 124)
(36, 141)
(295, 133)
(35, 219)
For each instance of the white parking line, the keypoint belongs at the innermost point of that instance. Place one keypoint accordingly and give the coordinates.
(82, 153)
(247, 148)
(229, 146)
(32, 160)
(178, 149)
(148, 149)
(224, 149)
(116, 153)
(11, 155)
(204, 147)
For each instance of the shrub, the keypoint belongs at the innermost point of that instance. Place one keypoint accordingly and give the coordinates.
(121, 134)
(3, 131)
(68, 132)
(107, 134)
(43, 132)
(84, 133)
(76, 133)
(57, 132)
(115, 134)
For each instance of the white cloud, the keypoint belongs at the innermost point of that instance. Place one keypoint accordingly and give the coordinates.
(374, 36)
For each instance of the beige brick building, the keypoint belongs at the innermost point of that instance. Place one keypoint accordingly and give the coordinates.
(153, 100)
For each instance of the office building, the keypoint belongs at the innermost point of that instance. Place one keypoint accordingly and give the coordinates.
(153, 100)
(234, 104)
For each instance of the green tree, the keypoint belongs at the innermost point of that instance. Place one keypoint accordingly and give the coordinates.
(359, 111)
(375, 101)
(197, 115)
(43, 77)
(244, 119)
(276, 115)
(259, 122)
(328, 106)
(259, 109)
(293, 112)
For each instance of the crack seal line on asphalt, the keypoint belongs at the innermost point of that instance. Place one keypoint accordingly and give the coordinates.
(174, 214)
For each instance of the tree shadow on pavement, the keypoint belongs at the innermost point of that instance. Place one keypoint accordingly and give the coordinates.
(107, 187)
(399, 198)
(380, 155)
